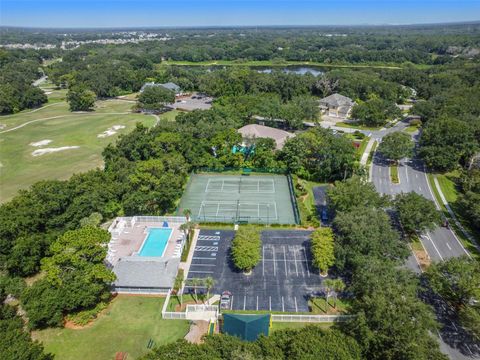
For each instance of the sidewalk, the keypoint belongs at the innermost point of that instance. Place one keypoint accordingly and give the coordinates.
(366, 153)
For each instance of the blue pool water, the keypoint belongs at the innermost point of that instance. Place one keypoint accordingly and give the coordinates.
(156, 242)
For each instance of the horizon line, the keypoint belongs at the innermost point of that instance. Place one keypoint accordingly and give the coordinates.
(466, 22)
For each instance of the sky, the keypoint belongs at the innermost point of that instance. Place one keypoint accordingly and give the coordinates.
(157, 13)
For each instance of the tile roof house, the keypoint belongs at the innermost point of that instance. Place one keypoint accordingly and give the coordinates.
(337, 105)
(260, 131)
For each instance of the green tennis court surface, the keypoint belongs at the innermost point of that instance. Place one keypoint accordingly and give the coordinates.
(262, 199)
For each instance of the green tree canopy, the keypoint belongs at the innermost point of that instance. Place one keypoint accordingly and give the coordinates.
(396, 145)
(246, 248)
(352, 193)
(416, 213)
(375, 112)
(322, 249)
(80, 98)
(155, 98)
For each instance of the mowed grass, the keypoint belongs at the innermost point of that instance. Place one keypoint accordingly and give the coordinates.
(277, 326)
(126, 325)
(19, 168)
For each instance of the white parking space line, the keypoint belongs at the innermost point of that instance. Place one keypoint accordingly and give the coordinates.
(295, 257)
(449, 248)
(285, 260)
(296, 308)
(201, 272)
(274, 264)
(283, 305)
(257, 302)
(231, 303)
(270, 302)
(263, 263)
(306, 261)
(244, 301)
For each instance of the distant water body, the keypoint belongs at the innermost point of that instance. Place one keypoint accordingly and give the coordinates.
(300, 70)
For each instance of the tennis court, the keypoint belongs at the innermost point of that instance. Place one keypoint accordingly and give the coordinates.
(266, 199)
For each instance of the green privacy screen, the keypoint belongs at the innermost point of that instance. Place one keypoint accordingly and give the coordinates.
(246, 327)
(258, 199)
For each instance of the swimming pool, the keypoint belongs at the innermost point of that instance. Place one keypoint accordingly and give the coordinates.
(156, 242)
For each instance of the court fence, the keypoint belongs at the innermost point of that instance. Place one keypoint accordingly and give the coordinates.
(310, 318)
(293, 199)
(243, 170)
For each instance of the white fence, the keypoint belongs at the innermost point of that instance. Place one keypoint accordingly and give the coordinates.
(310, 318)
(174, 315)
(121, 222)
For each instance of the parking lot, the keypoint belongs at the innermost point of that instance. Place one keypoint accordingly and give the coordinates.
(283, 280)
(192, 102)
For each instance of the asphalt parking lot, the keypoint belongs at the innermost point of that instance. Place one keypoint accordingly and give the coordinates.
(283, 280)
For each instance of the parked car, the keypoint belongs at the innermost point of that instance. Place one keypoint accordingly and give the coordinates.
(226, 300)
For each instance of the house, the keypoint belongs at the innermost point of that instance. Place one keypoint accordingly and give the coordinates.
(336, 105)
(169, 86)
(260, 131)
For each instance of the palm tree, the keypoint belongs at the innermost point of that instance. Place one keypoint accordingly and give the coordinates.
(195, 283)
(209, 283)
(187, 213)
(328, 284)
(338, 286)
(184, 228)
(178, 288)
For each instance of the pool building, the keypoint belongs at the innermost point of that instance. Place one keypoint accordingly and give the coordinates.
(145, 252)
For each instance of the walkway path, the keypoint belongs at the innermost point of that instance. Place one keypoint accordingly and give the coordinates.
(366, 153)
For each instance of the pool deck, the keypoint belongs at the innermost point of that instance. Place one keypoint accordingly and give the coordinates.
(130, 240)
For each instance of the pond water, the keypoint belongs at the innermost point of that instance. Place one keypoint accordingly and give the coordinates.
(300, 70)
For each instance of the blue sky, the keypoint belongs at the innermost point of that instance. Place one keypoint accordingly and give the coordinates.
(131, 13)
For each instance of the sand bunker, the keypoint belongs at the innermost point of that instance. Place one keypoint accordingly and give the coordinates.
(39, 152)
(41, 143)
(111, 131)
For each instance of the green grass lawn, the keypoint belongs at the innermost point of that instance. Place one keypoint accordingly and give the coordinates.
(361, 149)
(306, 203)
(276, 326)
(20, 169)
(411, 129)
(319, 306)
(447, 184)
(394, 173)
(126, 325)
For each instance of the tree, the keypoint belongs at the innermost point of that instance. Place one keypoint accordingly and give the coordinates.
(319, 155)
(391, 321)
(366, 232)
(328, 285)
(375, 112)
(246, 248)
(354, 193)
(155, 98)
(93, 220)
(338, 286)
(396, 145)
(80, 98)
(447, 141)
(187, 213)
(415, 212)
(322, 249)
(195, 283)
(457, 280)
(209, 284)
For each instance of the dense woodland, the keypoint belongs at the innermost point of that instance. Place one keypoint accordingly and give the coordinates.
(146, 170)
